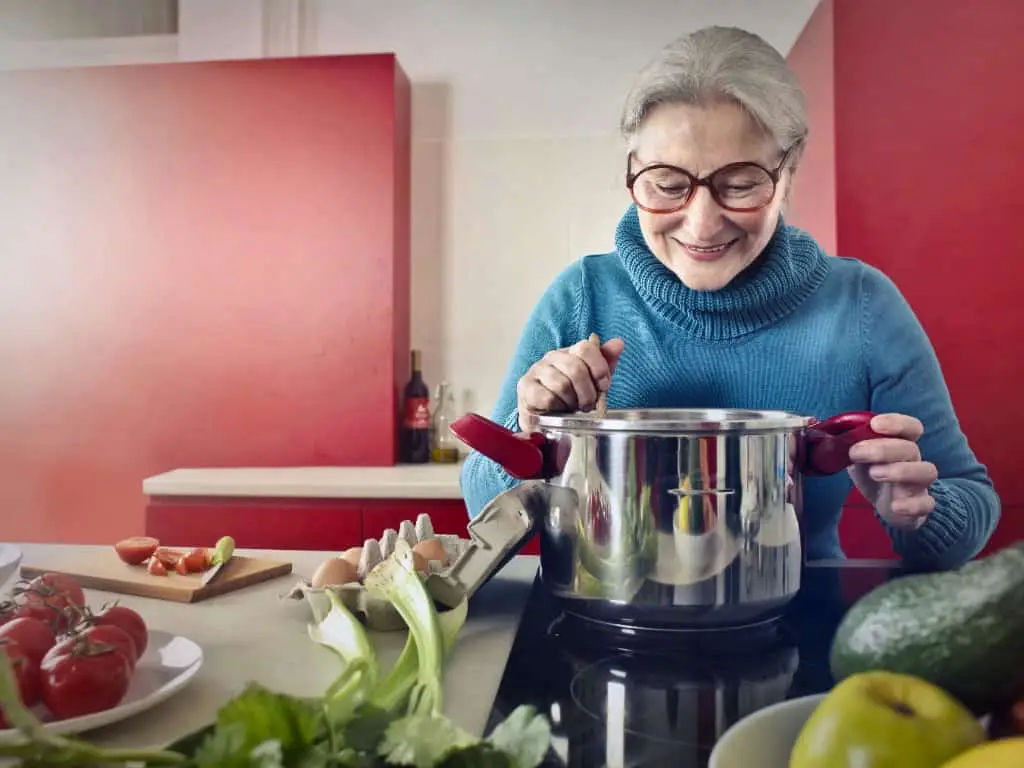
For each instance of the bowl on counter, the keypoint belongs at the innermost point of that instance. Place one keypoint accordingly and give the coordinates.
(766, 737)
(10, 559)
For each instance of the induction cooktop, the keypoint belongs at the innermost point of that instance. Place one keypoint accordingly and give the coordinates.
(619, 700)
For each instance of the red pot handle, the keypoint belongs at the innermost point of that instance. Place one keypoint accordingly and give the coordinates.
(522, 456)
(828, 443)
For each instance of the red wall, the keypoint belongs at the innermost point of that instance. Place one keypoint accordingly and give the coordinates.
(927, 150)
(813, 202)
(203, 265)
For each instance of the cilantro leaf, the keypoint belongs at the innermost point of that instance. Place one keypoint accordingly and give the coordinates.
(365, 731)
(422, 740)
(480, 755)
(262, 729)
(525, 735)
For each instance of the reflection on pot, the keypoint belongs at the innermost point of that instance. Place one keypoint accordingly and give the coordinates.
(631, 709)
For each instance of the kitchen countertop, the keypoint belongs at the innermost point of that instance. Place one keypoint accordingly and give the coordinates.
(252, 634)
(404, 481)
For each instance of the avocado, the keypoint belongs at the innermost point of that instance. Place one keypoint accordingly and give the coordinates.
(962, 630)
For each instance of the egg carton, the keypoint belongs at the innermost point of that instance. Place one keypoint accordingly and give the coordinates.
(376, 613)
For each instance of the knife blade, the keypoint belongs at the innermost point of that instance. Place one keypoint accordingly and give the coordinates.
(222, 553)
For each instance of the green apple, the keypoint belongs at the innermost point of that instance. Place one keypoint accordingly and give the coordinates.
(880, 719)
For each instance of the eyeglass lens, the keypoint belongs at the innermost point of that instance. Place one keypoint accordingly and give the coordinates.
(665, 189)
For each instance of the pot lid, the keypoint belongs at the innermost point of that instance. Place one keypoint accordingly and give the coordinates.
(674, 420)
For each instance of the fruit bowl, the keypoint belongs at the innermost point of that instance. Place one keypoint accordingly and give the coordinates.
(765, 737)
(10, 559)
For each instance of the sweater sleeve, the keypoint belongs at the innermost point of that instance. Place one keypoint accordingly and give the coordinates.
(905, 377)
(553, 324)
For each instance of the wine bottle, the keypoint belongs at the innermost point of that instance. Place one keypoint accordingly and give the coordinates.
(414, 444)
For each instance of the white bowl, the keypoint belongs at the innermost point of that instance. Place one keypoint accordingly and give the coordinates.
(766, 737)
(10, 559)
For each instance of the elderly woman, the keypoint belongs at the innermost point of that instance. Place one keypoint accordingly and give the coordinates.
(710, 300)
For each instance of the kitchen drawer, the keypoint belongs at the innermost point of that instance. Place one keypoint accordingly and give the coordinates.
(307, 524)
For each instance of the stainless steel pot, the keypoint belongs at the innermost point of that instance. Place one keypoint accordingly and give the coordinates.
(661, 517)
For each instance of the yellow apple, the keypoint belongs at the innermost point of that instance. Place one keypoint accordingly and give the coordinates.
(882, 719)
(1004, 753)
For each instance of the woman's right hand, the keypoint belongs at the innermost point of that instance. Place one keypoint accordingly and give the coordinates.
(568, 379)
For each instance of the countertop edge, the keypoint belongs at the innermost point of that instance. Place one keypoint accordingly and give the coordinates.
(395, 482)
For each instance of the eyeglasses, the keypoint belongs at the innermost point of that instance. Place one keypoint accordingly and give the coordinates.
(737, 187)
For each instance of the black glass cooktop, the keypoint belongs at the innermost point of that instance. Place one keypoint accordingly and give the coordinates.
(622, 701)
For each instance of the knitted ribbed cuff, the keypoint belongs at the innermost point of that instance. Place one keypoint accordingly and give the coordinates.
(948, 526)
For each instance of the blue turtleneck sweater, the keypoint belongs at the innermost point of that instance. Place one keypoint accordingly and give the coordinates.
(799, 331)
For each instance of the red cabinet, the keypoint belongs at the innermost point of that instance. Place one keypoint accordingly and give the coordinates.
(255, 523)
(309, 524)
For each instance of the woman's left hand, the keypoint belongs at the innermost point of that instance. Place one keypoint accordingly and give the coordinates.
(890, 473)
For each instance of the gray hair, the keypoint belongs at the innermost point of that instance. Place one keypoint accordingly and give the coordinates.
(722, 63)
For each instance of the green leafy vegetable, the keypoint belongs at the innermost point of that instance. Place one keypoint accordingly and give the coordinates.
(360, 721)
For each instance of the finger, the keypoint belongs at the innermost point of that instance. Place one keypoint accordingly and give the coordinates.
(590, 354)
(882, 450)
(541, 397)
(612, 351)
(572, 367)
(920, 505)
(916, 473)
(898, 425)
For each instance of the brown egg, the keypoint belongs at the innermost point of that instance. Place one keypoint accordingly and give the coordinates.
(333, 572)
(432, 550)
(352, 554)
(419, 562)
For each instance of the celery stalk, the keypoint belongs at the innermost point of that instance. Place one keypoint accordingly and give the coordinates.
(397, 581)
(393, 689)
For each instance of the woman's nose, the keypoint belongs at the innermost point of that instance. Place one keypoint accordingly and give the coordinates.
(703, 217)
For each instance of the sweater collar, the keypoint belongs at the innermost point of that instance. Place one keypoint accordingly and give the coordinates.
(791, 267)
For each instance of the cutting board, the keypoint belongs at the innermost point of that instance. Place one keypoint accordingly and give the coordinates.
(102, 569)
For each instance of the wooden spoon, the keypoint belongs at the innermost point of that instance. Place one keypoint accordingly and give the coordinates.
(601, 407)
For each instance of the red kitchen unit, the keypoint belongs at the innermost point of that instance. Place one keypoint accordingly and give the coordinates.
(296, 523)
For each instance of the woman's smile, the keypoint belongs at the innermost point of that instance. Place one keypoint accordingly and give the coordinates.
(709, 252)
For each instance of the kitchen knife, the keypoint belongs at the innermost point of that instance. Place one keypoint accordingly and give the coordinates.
(223, 552)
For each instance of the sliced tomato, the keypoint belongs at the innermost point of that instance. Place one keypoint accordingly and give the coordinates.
(137, 549)
(169, 557)
(34, 636)
(128, 620)
(113, 635)
(26, 672)
(182, 567)
(155, 567)
(89, 677)
(199, 560)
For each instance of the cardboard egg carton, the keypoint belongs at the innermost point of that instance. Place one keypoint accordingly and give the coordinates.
(376, 613)
(377, 550)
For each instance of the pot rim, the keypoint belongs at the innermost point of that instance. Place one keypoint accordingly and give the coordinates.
(674, 421)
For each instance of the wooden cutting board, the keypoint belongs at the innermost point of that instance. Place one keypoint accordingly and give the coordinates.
(102, 569)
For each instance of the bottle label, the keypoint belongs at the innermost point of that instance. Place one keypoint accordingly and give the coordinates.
(417, 413)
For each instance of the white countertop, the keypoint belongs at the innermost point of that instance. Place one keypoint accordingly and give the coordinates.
(405, 481)
(277, 652)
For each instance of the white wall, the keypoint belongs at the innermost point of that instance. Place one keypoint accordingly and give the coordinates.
(517, 165)
(517, 168)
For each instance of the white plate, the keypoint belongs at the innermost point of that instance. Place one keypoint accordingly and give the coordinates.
(10, 559)
(169, 663)
(766, 737)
